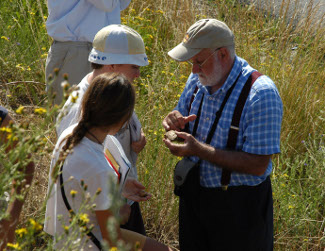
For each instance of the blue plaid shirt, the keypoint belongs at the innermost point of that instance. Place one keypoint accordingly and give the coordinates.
(259, 128)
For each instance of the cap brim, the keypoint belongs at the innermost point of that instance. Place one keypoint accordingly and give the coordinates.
(99, 57)
(182, 53)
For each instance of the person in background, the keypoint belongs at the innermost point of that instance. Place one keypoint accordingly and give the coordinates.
(116, 49)
(79, 160)
(72, 25)
(14, 207)
(226, 201)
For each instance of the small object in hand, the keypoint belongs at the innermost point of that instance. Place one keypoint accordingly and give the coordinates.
(172, 136)
(143, 193)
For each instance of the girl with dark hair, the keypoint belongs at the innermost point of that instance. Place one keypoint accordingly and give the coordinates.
(79, 155)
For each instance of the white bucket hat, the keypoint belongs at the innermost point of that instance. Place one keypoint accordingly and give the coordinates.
(118, 44)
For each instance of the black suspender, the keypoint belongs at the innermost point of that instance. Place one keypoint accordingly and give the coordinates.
(234, 128)
(218, 113)
(72, 213)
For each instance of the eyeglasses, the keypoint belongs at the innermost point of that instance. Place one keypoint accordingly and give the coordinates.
(201, 64)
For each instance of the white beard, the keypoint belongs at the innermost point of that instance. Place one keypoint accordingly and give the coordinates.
(214, 78)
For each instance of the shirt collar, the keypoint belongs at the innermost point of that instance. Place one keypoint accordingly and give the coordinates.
(235, 71)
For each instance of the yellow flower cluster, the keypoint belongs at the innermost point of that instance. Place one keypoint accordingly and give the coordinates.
(23, 68)
(5, 129)
(36, 226)
(5, 38)
(73, 193)
(20, 110)
(21, 232)
(84, 218)
(14, 246)
(40, 110)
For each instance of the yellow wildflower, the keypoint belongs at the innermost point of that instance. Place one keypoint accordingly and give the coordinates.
(20, 110)
(35, 225)
(13, 138)
(113, 249)
(84, 218)
(74, 98)
(40, 111)
(73, 193)
(5, 38)
(21, 232)
(14, 246)
(5, 129)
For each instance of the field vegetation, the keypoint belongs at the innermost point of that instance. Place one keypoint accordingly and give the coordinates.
(290, 51)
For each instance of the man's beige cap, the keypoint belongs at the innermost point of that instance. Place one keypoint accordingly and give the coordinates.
(205, 33)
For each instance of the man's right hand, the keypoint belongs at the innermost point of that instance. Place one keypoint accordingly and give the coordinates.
(176, 121)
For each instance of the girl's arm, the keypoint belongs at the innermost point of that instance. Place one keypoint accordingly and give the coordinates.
(145, 243)
(102, 218)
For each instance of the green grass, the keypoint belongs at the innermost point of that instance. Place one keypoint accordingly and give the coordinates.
(291, 53)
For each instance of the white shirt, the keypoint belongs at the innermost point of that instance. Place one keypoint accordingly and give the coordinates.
(87, 162)
(70, 114)
(80, 20)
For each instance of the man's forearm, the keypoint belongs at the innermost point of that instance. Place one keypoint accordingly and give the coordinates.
(241, 162)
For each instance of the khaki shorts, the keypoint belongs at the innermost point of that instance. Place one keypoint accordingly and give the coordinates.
(70, 58)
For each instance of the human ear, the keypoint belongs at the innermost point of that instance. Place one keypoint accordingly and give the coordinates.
(224, 53)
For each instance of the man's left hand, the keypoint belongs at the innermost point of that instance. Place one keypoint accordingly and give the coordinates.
(187, 148)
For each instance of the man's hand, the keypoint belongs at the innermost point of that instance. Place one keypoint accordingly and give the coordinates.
(134, 190)
(176, 121)
(137, 146)
(187, 148)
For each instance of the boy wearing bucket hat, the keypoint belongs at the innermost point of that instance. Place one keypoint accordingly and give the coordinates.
(116, 49)
(72, 25)
(230, 117)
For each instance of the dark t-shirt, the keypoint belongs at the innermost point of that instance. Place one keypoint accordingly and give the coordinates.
(3, 114)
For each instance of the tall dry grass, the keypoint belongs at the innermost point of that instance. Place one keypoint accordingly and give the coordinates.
(290, 50)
